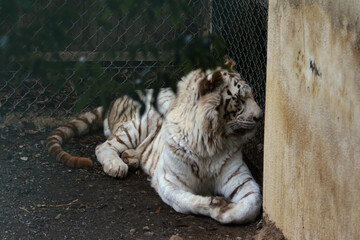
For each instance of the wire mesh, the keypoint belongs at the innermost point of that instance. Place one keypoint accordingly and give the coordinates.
(241, 24)
(22, 94)
(243, 27)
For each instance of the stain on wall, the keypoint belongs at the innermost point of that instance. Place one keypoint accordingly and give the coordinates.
(312, 125)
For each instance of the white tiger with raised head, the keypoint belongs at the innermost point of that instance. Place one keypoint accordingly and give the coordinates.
(191, 146)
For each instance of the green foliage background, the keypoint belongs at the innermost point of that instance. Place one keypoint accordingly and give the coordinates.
(32, 33)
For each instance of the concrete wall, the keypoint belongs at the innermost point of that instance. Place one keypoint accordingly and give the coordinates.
(312, 121)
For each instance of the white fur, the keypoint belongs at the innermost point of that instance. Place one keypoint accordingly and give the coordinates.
(195, 159)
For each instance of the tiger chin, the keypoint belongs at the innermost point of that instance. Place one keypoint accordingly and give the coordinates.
(190, 145)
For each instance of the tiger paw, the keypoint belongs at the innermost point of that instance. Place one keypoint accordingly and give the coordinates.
(130, 157)
(115, 168)
(221, 209)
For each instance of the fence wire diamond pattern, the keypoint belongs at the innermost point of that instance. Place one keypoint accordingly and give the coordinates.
(241, 24)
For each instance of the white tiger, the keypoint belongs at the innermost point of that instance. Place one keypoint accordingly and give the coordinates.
(191, 146)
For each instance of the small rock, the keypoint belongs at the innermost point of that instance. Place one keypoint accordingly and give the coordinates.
(132, 231)
(176, 237)
(149, 233)
(31, 132)
(24, 158)
(157, 210)
(146, 228)
(41, 129)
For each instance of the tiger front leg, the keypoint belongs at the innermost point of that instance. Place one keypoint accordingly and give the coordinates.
(219, 208)
(180, 197)
(240, 191)
(108, 157)
(244, 211)
(121, 143)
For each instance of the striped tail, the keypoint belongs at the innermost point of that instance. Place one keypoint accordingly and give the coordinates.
(79, 126)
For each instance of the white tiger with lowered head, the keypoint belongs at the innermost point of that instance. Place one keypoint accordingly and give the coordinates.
(190, 146)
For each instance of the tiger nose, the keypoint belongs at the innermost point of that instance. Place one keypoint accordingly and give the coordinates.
(256, 119)
(258, 115)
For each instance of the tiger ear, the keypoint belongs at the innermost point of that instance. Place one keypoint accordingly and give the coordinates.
(209, 85)
(229, 63)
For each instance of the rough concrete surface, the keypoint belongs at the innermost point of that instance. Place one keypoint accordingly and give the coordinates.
(312, 131)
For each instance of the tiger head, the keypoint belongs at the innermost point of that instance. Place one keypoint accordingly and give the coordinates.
(216, 108)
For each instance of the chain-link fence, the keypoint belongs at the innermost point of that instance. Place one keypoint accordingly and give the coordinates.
(241, 24)
(23, 93)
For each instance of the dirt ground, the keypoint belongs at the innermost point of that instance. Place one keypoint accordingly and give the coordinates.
(42, 199)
